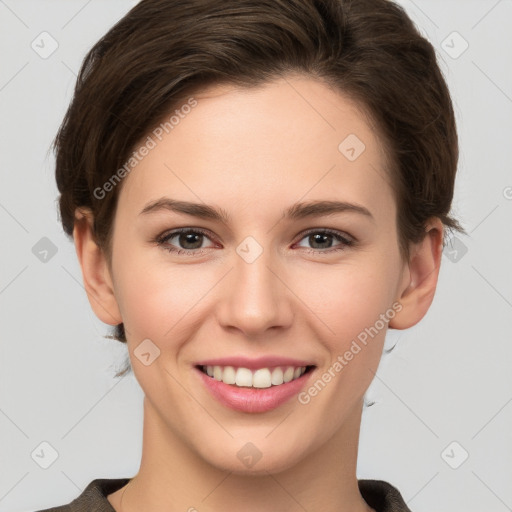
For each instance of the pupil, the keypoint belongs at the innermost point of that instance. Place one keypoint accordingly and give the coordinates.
(317, 237)
(186, 238)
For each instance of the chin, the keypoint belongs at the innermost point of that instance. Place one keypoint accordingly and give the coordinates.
(254, 458)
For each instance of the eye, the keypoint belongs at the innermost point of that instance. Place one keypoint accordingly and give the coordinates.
(190, 240)
(322, 239)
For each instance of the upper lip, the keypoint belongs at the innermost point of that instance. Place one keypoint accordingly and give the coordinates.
(254, 363)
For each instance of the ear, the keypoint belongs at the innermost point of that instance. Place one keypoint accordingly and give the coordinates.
(420, 277)
(95, 271)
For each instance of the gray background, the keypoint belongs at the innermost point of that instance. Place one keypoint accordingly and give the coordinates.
(444, 391)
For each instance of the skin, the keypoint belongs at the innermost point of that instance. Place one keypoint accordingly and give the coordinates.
(254, 153)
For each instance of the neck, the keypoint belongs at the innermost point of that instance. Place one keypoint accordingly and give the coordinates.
(173, 477)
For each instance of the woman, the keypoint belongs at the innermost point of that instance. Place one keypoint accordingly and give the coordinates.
(257, 191)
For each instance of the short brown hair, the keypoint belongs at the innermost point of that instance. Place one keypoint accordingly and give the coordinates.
(163, 50)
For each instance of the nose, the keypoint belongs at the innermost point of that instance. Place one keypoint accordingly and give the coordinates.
(255, 296)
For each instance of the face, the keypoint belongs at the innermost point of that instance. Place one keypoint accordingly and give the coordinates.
(261, 281)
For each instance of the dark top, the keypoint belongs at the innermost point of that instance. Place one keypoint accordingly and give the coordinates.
(380, 495)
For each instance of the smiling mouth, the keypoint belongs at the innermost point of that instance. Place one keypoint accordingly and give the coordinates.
(260, 378)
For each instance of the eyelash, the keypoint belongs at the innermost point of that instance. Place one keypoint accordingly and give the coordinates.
(162, 239)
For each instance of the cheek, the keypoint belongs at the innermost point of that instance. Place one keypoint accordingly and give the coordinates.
(348, 303)
(346, 299)
(154, 297)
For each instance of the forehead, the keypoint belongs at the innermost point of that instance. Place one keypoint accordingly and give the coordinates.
(271, 144)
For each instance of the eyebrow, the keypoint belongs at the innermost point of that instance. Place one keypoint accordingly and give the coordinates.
(295, 212)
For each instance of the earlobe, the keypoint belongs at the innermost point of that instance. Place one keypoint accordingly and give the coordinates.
(95, 272)
(423, 268)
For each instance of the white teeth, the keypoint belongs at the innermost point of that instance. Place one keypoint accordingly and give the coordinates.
(261, 378)
(277, 377)
(228, 375)
(217, 372)
(288, 374)
(243, 377)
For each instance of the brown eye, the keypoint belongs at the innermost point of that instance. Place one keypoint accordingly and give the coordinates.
(321, 241)
(187, 240)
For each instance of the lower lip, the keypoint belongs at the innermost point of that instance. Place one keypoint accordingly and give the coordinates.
(246, 399)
